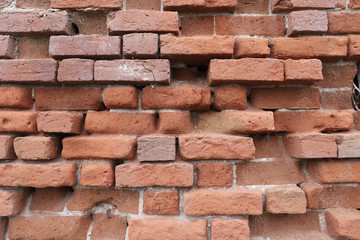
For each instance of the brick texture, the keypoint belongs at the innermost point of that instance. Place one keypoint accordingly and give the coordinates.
(7, 47)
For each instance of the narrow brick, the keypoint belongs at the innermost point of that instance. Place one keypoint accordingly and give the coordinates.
(7, 147)
(230, 97)
(336, 100)
(12, 202)
(285, 199)
(175, 122)
(230, 229)
(141, 45)
(16, 97)
(76, 71)
(102, 224)
(99, 147)
(291, 5)
(307, 22)
(343, 223)
(338, 76)
(59, 122)
(239, 201)
(143, 21)
(49, 199)
(197, 26)
(348, 145)
(161, 202)
(251, 47)
(38, 4)
(33, 48)
(148, 175)
(103, 4)
(97, 175)
(143, 4)
(121, 97)
(3, 224)
(339, 22)
(354, 44)
(18, 122)
(156, 148)
(7, 47)
(303, 71)
(214, 174)
(200, 6)
(36, 147)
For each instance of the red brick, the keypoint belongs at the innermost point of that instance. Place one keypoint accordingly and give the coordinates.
(143, 21)
(200, 6)
(290, 5)
(12, 202)
(230, 97)
(16, 97)
(201, 147)
(197, 25)
(327, 48)
(336, 100)
(231, 229)
(3, 224)
(7, 147)
(338, 76)
(36, 4)
(238, 201)
(307, 22)
(251, 47)
(183, 98)
(49, 227)
(143, 4)
(18, 122)
(354, 44)
(167, 228)
(38, 175)
(246, 71)
(124, 123)
(140, 45)
(339, 22)
(303, 71)
(269, 173)
(175, 122)
(161, 202)
(348, 145)
(108, 227)
(104, 4)
(85, 199)
(68, 99)
(97, 175)
(319, 121)
(35, 23)
(121, 97)
(237, 122)
(59, 122)
(7, 47)
(355, 4)
(343, 223)
(285, 199)
(252, 6)
(76, 71)
(33, 48)
(147, 175)
(290, 98)
(311, 146)
(28, 71)
(5, 3)
(49, 199)
(85, 46)
(156, 148)
(319, 196)
(140, 72)
(250, 25)
(196, 50)
(99, 147)
(269, 146)
(36, 147)
(214, 174)
(356, 115)
(90, 22)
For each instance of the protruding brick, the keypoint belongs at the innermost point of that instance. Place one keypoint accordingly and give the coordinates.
(167, 228)
(231, 229)
(59, 122)
(200, 6)
(348, 145)
(39, 4)
(214, 174)
(16, 97)
(336, 100)
(197, 25)
(183, 98)
(201, 147)
(12, 202)
(175, 122)
(238, 122)
(18, 122)
(245, 71)
(76, 71)
(156, 148)
(143, 4)
(121, 97)
(49, 199)
(85, 46)
(7, 147)
(97, 175)
(303, 71)
(124, 123)
(230, 97)
(147, 175)
(338, 76)
(37, 71)
(36, 147)
(143, 21)
(161, 202)
(343, 223)
(139, 72)
(307, 22)
(109, 227)
(85, 199)
(33, 48)
(141, 45)
(291, 5)
(38, 175)
(239, 201)
(338, 22)
(104, 4)
(7, 47)
(285, 199)
(68, 99)
(251, 47)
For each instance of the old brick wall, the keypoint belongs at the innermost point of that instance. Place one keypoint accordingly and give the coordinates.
(179, 119)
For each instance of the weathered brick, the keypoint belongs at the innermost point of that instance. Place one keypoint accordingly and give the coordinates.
(339, 22)
(338, 99)
(147, 175)
(38, 175)
(201, 147)
(238, 122)
(252, 6)
(97, 175)
(111, 228)
(246, 71)
(85, 199)
(251, 47)
(35, 23)
(348, 145)
(230, 97)
(99, 147)
(18, 122)
(7, 147)
(49, 199)
(143, 4)
(28, 71)
(143, 21)
(200, 6)
(355, 4)
(140, 72)
(269, 146)
(183, 98)
(197, 25)
(35, 4)
(285, 199)
(290, 5)
(175, 122)
(303, 71)
(7, 47)
(59, 122)
(167, 228)
(36, 147)
(156, 148)
(12, 202)
(239, 201)
(121, 97)
(124, 123)
(5, 3)
(33, 48)
(214, 174)
(338, 76)
(85, 46)
(231, 229)
(3, 224)
(16, 97)
(76, 71)
(354, 44)
(104, 4)
(68, 99)
(140, 45)
(161, 202)
(343, 223)
(307, 22)
(90, 22)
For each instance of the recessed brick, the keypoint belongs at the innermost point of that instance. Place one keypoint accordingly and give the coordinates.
(156, 148)
(197, 25)
(49, 199)
(121, 97)
(200, 6)
(36, 147)
(7, 47)
(303, 71)
(230, 229)
(161, 202)
(307, 22)
(338, 76)
(143, 4)
(252, 6)
(36, 4)
(12, 202)
(251, 47)
(337, 22)
(103, 223)
(33, 48)
(175, 122)
(140, 45)
(214, 174)
(76, 71)
(338, 99)
(97, 175)
(230, 97)
(59, 122)
(348, 145)
(7, 147)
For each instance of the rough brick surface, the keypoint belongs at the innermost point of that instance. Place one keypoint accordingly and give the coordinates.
(307, 22)
(303, 71)
(16, 97)
(348, 145)
(337, 22)
(343, 223)
(59, 122)
(161, 202)
(200, 5)
(231, 229)
(49, 199)
(214, 174)
(156, 148)
(76, 71)
(7, 47)
(251, 47)
(354, 42)
(5, 3)
(37, 147)
(143, 4)
(18, 122)
(197, 25)
(230, 97)
(338, 76)
(104, 222)
(339, 99)
(12, 202)
(248, 7)
(7, 147)
(39, 4)
(33, 48)
(116, 4)
(121, 97)
(140, 45)
(3, 227)
(97, 175)
(279, 5)
(175, 122)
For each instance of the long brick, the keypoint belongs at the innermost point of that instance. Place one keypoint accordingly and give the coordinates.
(200, 6)
(143, 4)
(7, 147)
(251, 47)
(124, 123)
(7, 47)
(303, 71)
(76, 71)
(59, 122)
(307, 22)
(102, 224)
(246, 71)
(291, 5)
(16, 97)
(18, 122)
(12, 202)
(348, 145)
(214, 174)
(36, 147)
(343, 223)
(35, 23)
(140, 72)
(161, 202)
(240, 201)
(339, 76)
(97, 175)
(230, 229)
(143, 21)
(338, 22)
(147, 175)
(41, 71)
(103, 4)
(201, 147)
(38, 175)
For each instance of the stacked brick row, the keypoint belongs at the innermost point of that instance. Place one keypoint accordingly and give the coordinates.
(179, 119)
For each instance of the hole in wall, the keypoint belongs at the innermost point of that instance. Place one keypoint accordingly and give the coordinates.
(356, 90)
(76, 28)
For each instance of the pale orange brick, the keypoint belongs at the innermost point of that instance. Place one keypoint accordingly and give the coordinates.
(104, 4)
(59, 122)
(175, 122)
(290, 5)
(307, 22)
(143, 4)
(285, 199)
(18, 122)
(338, 22)
(12, 202)
(251, 47)
(197, 25)
(36, 4)
(200, 6)
(121, 97)
(230, 97)
(343, 223)
(214, 174)
(76, 71)
(161, 202)
(16, 97)
(49, 199)
(33, 48)
(7, 147)
(7, 47)
(108, 227)
(269, 146)
(231, 229)
(140, 45)
(338, 76)
(156, 148)
(303, 71)
(348, 145)
(97, 175)
(37, 147)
